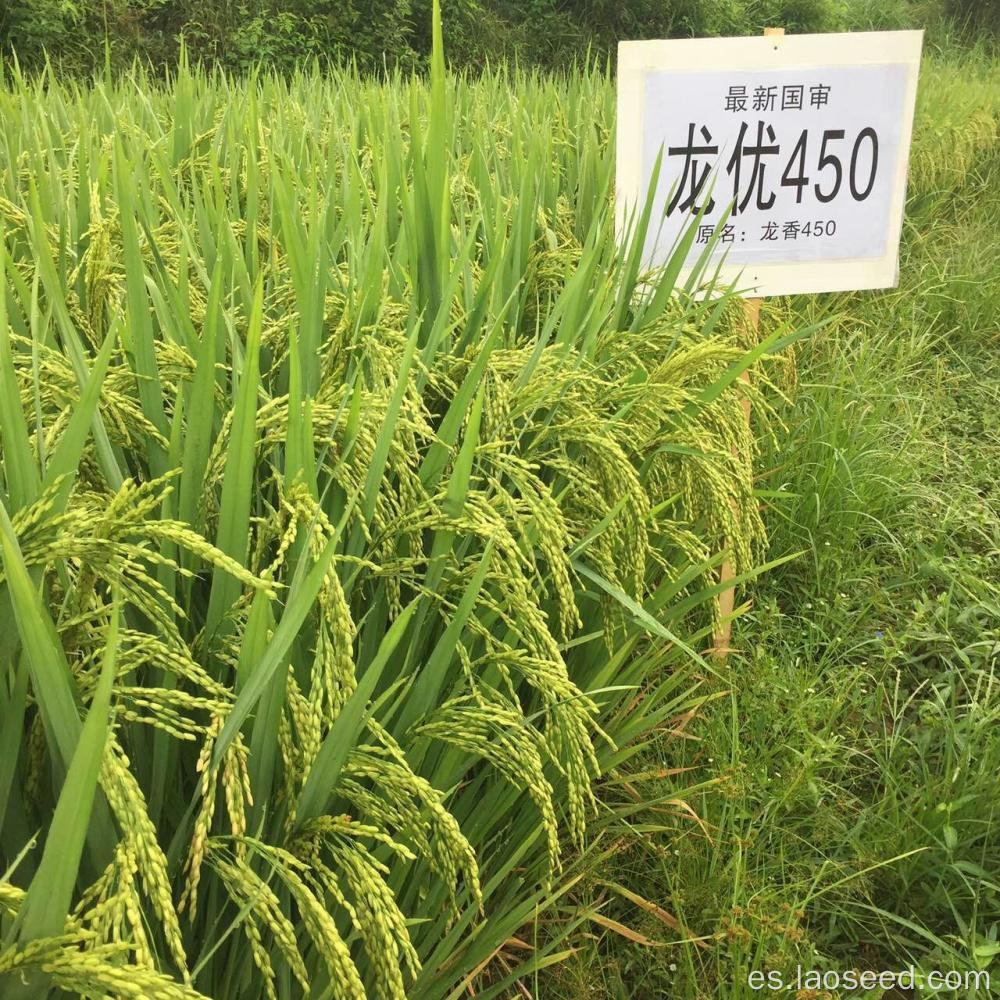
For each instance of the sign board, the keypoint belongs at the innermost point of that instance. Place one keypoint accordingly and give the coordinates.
(795, 146)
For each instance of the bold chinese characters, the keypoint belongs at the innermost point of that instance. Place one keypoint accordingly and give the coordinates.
(817, 165)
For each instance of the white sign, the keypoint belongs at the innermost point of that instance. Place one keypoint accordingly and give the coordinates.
(795, 147)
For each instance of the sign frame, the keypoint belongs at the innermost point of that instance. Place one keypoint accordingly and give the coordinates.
(636, 59)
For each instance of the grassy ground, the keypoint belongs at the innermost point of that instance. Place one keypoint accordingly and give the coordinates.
(850, 820)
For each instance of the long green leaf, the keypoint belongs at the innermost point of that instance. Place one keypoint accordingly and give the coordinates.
(47, 903)
(233, 536)
(20, 466)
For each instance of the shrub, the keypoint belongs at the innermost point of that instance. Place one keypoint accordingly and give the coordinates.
(543, 33)
(283, 35)
(975, 16)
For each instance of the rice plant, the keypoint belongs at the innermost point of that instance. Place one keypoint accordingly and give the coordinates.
(361, 508)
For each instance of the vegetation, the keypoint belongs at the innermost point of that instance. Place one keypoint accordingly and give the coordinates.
(84, 35)
(360, 511)
(361, 508)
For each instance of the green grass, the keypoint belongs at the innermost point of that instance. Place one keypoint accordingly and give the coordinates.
(855, 746)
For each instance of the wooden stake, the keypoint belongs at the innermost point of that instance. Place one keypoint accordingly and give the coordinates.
(727, 599)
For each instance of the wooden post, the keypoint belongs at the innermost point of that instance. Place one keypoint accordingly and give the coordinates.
(727, 599)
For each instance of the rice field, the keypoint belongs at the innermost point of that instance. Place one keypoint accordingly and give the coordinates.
(361, 512)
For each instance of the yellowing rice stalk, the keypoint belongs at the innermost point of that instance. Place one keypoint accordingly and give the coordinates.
(361, 508)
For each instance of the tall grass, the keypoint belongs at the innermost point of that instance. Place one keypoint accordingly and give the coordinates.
(361, 509)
